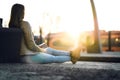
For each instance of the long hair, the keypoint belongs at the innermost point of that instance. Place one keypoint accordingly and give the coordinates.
(17, 15)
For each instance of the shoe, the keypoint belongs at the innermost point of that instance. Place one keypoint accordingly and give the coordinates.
(75, 55)
(73, 60)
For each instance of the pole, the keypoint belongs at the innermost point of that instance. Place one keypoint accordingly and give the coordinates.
(97, 44)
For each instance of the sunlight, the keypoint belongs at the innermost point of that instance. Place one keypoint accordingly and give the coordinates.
(72, 16)
(108, 14)
(45, 12)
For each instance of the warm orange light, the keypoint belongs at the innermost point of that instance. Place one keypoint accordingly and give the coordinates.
(116, 39)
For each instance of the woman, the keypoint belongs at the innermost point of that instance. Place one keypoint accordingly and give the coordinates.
(32, 53)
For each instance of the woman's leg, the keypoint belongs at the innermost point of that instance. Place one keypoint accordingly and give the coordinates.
(48, 58)
(45, 58)
(57, 52)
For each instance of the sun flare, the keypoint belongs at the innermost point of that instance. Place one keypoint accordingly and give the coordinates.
(73, 16)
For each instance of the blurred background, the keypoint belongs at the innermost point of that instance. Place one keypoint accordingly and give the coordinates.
(63, 24)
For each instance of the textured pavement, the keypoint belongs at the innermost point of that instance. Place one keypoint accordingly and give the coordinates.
(82, 70)
(92, 65)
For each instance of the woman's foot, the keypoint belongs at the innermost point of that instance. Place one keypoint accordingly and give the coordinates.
(75, 55)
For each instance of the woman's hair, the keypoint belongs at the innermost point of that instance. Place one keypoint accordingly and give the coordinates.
(17, 15)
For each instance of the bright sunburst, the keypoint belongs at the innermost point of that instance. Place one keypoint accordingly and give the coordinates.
(73, 16)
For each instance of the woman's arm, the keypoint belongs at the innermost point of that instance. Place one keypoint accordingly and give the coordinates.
(29, 39)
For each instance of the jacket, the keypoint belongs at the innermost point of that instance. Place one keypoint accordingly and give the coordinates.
(28, 45)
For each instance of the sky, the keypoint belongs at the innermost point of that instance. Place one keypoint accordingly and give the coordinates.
(72, 16)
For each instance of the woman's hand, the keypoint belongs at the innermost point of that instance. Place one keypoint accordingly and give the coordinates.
(43, 45)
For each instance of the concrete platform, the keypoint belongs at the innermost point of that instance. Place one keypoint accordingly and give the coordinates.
(102, 57)
(104, 66)
(82, 70)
